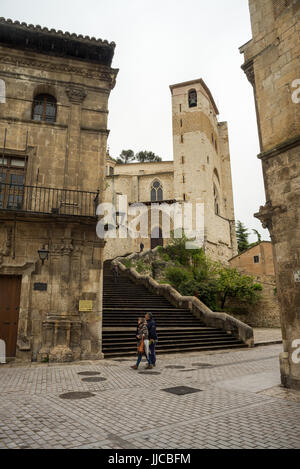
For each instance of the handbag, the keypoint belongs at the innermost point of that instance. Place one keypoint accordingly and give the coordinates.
(141, 346)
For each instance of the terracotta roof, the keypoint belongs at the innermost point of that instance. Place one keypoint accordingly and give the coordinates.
(44, 40)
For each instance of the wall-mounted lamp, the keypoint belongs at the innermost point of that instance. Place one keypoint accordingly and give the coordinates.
(43, 253)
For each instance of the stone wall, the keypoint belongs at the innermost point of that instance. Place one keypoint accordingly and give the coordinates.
(57, 157)
(265, 313)
(272, 66)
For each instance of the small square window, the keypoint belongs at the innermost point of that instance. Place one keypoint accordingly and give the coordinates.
(256, 259)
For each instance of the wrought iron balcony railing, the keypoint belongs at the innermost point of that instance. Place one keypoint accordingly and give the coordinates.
(47, 200)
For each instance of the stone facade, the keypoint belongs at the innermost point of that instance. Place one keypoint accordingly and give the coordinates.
(272, 65)
(257, 260)
(59, 162)
(199, 173)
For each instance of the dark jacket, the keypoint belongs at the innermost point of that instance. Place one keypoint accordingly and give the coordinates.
(152, 329)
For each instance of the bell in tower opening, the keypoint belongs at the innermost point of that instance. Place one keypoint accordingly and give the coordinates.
(192, 98)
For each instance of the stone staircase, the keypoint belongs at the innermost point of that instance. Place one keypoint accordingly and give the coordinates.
(178, 329)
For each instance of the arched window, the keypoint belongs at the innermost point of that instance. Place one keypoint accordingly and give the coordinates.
(44, 108)
(216, 200)
(193, 99)
(156, 192)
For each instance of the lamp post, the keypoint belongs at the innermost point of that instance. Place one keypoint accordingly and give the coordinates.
(43, 254)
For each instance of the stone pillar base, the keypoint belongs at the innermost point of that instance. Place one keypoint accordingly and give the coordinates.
(287, 380)
(61, 354)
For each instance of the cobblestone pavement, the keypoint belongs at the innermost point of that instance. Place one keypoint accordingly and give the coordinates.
(240, 404)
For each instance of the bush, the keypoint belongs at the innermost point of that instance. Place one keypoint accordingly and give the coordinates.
(178, 275)
(231, 283)
(141, 266)
(127, 263)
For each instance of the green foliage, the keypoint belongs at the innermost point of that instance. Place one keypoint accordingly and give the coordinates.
(166, 257)
(231, 283)
(141, 267)
(177, 251)
(258, 236)
(177, 276)
(127, 156)
(127, 263)
(144, 156)
(242, 235)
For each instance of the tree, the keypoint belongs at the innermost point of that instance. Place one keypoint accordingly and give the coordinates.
(258, 236)
(126, 157)
(145, 156)
(231, 283)
(242, 235)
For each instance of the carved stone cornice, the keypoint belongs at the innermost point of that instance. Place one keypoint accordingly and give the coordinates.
(99, 72)
(76, 94)
(248, 68)
(267, 212)
(281, 148)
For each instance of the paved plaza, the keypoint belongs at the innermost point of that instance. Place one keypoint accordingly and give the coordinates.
(238, 404)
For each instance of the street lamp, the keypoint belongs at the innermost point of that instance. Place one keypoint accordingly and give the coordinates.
(43, 253)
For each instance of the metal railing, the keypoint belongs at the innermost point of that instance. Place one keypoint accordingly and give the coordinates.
(47, 200)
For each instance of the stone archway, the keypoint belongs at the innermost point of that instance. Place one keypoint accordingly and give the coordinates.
(156, 238)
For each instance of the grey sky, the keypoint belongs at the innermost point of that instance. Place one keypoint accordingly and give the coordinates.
(162, 42)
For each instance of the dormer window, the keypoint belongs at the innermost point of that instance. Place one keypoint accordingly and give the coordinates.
(193, 99)
(44, 108)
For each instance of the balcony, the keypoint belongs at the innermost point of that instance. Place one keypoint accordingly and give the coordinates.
(47, 201)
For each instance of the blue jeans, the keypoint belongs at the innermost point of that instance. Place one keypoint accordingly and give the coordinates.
(152, 357)
(140, 357)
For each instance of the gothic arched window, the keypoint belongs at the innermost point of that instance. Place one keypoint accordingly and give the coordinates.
(216, 200)
(44, 108)
(193, 99)
(156, 192)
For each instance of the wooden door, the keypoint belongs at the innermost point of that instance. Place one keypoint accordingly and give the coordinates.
(10, 291)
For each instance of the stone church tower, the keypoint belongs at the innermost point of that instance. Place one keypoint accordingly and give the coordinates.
(199, 173)
(202, 172)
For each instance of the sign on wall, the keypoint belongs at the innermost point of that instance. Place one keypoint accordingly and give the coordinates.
(85, 306)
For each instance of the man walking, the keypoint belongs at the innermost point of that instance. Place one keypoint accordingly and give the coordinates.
(115, 273)
(152, 339)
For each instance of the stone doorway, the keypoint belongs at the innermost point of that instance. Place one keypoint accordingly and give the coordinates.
(10, 293)
(156, 238)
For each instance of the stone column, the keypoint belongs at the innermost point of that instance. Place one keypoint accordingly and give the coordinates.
(76, 95)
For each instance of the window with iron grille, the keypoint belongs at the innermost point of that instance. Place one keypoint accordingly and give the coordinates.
(44, 108)
(256, 259)
(12, 180)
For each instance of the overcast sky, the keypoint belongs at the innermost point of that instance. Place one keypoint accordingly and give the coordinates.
(159, 43)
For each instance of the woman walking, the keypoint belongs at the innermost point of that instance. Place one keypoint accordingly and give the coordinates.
(142, 342)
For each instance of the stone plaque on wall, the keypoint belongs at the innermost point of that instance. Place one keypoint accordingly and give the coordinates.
(40, 287)
(85, 305)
